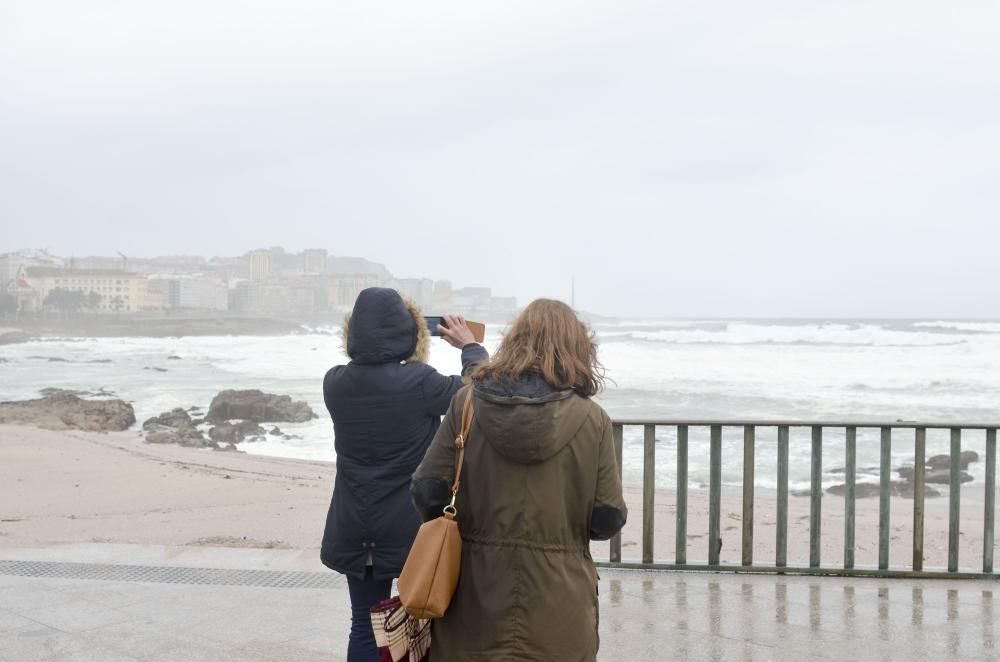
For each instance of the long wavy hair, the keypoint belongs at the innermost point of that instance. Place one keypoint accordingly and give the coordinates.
(548, 338)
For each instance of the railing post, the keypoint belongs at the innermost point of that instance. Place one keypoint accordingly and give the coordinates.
(919, 462)
(715, 495)
(954, 498)
(989, 501)
(615, 555)
(648, 491)
(781, 528)
(749, 435)
(885, 476)
(816, 497)
(850, 472)
(680, 541)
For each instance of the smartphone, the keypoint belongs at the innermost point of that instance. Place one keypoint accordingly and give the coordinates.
(478, 329)
(432, 324)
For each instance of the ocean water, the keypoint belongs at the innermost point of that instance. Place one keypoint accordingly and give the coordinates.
(860, 370)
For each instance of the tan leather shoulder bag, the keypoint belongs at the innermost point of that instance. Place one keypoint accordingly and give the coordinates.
(430, 574)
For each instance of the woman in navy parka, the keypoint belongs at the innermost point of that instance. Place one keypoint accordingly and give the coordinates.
(386, 405)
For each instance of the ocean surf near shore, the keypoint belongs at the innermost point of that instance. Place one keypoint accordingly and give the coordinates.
(812, 370)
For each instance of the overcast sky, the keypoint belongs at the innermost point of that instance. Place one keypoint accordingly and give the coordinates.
(683, 158)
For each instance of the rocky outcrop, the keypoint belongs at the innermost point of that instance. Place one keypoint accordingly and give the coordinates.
(943, 462)
(897, 488)
(259, 407)
(10, 337)
(935, 476)
(234, 433)
(65, 411)
(175, 427)
(175, 418)
(936, 472)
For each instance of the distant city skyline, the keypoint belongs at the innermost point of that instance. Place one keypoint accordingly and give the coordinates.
(270, 282)
(678, 159)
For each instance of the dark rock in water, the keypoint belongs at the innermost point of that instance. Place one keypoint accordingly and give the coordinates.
(175, 427)
(155, 369)
(897, 488)
(276, 431)
(861, 490)
(56, 359)
(943, 462)
(174, 357)
(254, 405)
(181, 436)
(175, 418)
(943, 477)
(229, 448)
(99, 393)
(197, 421)
(66, 411)
(161, 438)
(99, 361)
(234, 433)
(906, 489)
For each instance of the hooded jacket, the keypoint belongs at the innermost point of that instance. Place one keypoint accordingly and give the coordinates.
(386, 405)
(540, 481)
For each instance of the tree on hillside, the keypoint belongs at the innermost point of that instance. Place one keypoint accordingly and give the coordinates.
(67, 301)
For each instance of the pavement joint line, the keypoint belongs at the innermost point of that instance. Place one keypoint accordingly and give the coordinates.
(171, 574)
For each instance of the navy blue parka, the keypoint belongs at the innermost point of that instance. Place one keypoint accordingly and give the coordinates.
(386, 408)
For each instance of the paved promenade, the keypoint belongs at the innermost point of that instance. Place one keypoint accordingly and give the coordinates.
(128, 602)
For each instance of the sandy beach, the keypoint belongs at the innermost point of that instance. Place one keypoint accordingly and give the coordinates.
(76, 487)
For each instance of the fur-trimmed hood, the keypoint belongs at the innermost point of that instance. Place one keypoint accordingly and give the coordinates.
(385, 327)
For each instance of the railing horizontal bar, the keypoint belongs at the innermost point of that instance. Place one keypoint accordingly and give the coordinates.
(766, 423)
(822, 571)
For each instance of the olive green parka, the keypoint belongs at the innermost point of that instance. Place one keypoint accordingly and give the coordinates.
(540, 481)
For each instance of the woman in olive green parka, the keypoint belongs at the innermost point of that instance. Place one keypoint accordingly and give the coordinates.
(540, 482)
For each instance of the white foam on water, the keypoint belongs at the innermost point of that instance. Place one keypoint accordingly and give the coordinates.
(927, 370)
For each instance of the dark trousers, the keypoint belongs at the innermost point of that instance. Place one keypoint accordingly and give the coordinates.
(365, 594)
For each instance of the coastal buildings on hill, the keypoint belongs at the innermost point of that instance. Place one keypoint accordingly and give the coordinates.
(264, 282)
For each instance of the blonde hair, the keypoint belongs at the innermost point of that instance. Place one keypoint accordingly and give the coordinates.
(548, 339)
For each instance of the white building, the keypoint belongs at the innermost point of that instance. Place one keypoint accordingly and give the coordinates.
(192, 292)
(12, 263)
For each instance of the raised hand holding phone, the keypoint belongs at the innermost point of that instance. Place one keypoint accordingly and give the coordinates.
(455, 331)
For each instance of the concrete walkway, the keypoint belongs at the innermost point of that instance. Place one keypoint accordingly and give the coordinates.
(129, 602)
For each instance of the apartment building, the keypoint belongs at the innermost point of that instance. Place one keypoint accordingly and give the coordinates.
(119, 291)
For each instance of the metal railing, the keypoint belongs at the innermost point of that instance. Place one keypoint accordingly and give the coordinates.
(750, 445)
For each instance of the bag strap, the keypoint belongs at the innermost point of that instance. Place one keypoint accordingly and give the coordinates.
(460, 441)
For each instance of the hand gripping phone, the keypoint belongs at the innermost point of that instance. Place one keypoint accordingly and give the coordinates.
(478, 328)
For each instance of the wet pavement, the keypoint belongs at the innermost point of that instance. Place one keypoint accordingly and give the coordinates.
(130, 602)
